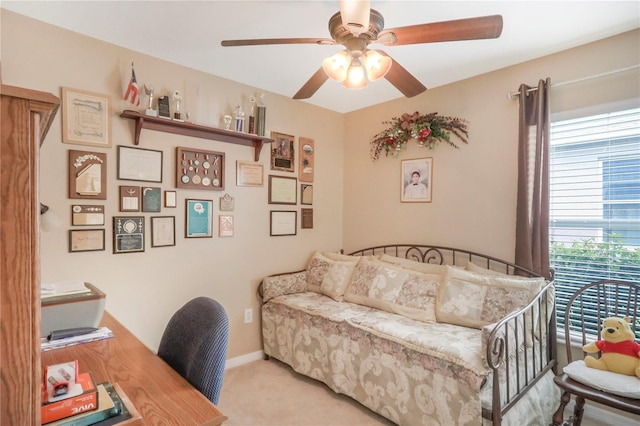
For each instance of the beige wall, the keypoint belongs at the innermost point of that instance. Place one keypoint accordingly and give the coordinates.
(356, 201)
(474, 187)
(144, 289)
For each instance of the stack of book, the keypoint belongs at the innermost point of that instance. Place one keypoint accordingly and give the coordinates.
(109, 407)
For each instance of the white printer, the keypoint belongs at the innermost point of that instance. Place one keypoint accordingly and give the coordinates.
(72, 310)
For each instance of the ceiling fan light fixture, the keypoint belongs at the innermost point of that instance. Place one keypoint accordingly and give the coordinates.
(336, 66)
(355, 15)
(355, 76)
(377, 65)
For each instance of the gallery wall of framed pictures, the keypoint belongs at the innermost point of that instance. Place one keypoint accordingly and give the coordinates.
(140, 170)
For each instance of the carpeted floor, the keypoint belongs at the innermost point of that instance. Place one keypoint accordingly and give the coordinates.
(270, 393)
(266, 393)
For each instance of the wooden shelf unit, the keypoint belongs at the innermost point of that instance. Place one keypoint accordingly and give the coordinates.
(196, 130)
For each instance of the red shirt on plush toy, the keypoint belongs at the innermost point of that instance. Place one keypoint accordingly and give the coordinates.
(620, 352)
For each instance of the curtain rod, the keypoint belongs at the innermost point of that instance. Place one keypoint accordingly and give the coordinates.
(513, 95)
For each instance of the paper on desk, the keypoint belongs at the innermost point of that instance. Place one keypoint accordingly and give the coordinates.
(62, 287)
(99, 334)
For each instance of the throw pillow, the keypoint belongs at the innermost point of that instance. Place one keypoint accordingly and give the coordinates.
(391, 288)
(607, 381)
(329, 277)
(475, 300)
(414, 265)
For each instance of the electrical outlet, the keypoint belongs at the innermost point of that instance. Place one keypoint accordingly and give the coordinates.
(248, 315)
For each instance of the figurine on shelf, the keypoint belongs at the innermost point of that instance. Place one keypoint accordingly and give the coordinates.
(252, 115)
(150, 111)
(177, 97)
(262, 114)
(239, 117)
(227, 121)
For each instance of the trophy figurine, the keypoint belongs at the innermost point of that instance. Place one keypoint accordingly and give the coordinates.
(177, 97)
(252, 115)
(150, 111)
(227, 121)
(262, 116)
(239, 119)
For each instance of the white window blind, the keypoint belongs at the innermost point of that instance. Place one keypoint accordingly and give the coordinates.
(594, 202)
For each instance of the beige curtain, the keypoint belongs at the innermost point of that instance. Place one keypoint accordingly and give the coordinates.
(532, 217)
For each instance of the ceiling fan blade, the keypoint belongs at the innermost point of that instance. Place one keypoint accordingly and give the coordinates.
(312, 85)
(403, 80)
(263, 41)
(482, 27)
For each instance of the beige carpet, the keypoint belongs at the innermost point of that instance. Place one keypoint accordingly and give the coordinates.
(270, 393)
(264, 393)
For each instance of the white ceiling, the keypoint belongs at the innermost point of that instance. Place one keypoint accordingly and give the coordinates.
(189, 33)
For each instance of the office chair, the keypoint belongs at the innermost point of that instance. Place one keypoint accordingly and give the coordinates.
(194, 343)
(592, 304)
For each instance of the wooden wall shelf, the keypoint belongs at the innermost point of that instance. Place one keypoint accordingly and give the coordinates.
(196, 130)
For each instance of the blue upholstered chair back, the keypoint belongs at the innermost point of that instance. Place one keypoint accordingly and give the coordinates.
(194, 344)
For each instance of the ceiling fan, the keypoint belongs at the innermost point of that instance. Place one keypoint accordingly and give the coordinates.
(356, 26)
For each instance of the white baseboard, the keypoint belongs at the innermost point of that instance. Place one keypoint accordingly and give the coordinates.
(243, 359)
(602, 416)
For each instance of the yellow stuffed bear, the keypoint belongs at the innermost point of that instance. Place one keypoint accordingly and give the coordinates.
(620, 352)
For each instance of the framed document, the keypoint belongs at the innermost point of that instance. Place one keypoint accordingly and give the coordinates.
(128, 234)
(225, 225)
(86, 118)
(86, 240)
(306, 194)
(163, 231)
(282, 152)
(87, 215)
(129, 198)
(283, 222)
(249, 173)
(139, 164)
(307, 219)
(87, 175)
(170, 199)
(283, 190)
(306, 151)
(199, 219)
(151, 199)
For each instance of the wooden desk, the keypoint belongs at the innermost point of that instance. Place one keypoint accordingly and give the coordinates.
(160, 395)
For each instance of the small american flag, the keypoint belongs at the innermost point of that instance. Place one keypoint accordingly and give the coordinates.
(132, 95)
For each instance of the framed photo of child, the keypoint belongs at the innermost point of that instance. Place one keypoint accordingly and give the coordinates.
(416, 182)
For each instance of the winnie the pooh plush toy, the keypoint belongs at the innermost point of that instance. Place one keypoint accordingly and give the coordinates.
(620, 351)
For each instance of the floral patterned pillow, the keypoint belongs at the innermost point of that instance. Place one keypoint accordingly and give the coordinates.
(329, 277)
(279, 285)
(475, 300)
(388, 287)
(414, 265)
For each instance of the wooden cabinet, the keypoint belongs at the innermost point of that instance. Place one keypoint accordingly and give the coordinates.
(196, 130)
(25, 120)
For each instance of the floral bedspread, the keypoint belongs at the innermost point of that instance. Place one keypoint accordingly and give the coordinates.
(411, 372)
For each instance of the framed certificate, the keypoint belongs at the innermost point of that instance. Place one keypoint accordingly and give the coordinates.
(129, 198)
(85, 118)
(249, 173)
(139, 164)
(199, 219)
(163, 231)
(283, 190)
(307, 219)
(283, 222)
(86, 240)
(306, 194)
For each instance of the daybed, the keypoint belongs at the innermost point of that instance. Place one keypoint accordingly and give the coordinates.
(421, 335)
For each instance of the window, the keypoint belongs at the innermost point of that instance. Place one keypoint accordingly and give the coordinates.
(594, 202)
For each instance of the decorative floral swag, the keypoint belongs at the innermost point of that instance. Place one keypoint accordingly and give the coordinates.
(427, 130)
